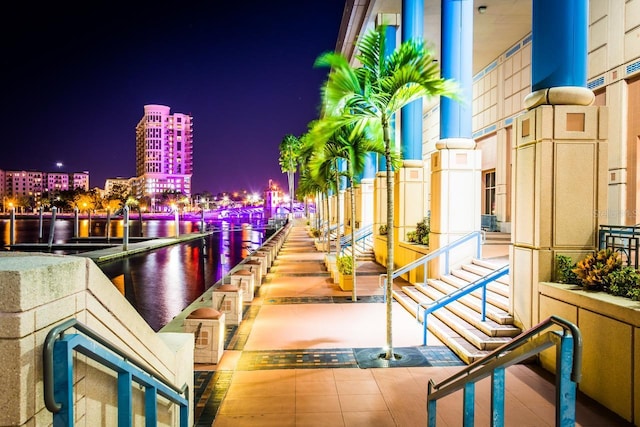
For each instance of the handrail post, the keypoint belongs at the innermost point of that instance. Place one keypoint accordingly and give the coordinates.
(469, 404)
(565, 387)
(497, 397)
(63, 383)
(484, 302)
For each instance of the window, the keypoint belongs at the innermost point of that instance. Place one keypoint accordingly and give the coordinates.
(489, 193)
(202, 341)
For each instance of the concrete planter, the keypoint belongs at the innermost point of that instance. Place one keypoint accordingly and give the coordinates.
(610, 328)
(345, 281)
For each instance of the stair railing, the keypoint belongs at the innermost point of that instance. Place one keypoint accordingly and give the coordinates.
(360, 236)
(58, 376)
(568, 343)
(424, 260)
(430, 307)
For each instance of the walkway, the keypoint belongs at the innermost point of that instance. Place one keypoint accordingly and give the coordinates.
(306, 355)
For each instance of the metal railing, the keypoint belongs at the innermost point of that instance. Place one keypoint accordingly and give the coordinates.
(360, 237)
(482, 282)
(424, 260)
(528, 344)
(57, 365)
(621, 238)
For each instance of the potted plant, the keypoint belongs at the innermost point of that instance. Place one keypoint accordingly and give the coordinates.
(344, 263)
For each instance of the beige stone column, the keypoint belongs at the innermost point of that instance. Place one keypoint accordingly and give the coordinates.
(409, 204)
(560, 191)
(380, 216)
(455, 200)
(364, 202)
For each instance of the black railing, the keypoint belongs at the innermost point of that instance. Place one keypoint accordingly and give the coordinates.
(623, 239)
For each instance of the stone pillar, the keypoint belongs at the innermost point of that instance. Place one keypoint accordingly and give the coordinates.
(560, 183)
(380, 216)
(409, 199)
(208, 327)
(364, 203)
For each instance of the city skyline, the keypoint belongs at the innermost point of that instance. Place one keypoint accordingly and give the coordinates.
(78, 81)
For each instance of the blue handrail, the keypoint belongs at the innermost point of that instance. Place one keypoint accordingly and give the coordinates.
(424, 260)
(524, 346)
(459, 293)
(58, 376)
(359, 235)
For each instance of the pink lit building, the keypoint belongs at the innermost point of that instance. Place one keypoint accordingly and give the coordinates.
(164, 153)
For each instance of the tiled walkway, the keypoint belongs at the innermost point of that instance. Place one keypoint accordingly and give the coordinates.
(305, 355)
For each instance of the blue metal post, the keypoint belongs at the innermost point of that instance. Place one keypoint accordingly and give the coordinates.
(469, 404)
(411, 123)
(565, 388)
(63, 383)
(125, 400)
(151, 407)
(431, 410)
(424, 327)
(559, 43)
(457, 64)
(497, 397)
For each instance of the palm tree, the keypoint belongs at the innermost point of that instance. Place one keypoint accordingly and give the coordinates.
(370, 95)
(289, 153)
(353, 144)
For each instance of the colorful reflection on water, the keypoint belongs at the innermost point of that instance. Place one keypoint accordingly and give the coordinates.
(161, 283)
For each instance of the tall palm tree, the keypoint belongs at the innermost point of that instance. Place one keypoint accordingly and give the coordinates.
(370, 95)
(289, 153)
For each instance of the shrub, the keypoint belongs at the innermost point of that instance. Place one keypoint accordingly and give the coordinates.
(383, 230)
(625, 282)
(593, 270)
(564, 270)
(344, 264)
(315, 232)
(421, 235)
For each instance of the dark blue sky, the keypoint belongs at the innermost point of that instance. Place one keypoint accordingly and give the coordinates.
(77, 76)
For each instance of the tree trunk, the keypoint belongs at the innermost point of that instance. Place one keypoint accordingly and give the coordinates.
(353, 237)
(389, 286)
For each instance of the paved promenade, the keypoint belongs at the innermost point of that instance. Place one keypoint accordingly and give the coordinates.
(306, 355)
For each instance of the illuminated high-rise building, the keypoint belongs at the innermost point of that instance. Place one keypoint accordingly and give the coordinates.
(164, 153)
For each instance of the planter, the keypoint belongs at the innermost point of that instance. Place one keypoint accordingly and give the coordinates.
(345, 281)
(610, 328)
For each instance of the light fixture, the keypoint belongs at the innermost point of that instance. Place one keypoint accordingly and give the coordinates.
(482, 9)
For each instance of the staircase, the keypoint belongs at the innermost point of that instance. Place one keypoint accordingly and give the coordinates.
(459, 325)
(363, 249)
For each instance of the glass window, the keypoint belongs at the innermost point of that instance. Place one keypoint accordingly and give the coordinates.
(489, 193)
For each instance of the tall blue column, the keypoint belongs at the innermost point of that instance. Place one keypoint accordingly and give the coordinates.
(457, 64)
(411, 126)
(391, 32)
(559, 43)
(559, 54)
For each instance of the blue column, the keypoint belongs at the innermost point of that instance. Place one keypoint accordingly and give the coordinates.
(457, 64)
(411, 126)
(559, 43)
(369, 170)
(389, 46)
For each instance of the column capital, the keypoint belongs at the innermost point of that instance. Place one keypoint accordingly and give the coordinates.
(392, 19)
(561, 95)
(456, 143)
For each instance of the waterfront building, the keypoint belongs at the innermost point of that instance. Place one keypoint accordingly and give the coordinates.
(543, 145)
(164, 154)
(32, 184)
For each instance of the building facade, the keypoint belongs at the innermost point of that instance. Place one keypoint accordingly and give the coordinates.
(33, 184)
(164, 154)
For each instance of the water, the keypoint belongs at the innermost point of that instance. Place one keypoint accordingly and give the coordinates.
(161, 283)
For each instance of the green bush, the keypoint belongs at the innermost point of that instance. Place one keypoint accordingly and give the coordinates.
(383, 229)
(421, 234)
(564, 270)
(344, 264)
(625, 282)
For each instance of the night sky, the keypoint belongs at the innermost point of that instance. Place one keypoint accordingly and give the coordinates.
(76, 77)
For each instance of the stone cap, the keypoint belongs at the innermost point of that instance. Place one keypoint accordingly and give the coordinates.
(226, 288)
(242, 273)
(204, 313)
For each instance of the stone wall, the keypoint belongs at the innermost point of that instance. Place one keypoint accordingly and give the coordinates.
(39, 291)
